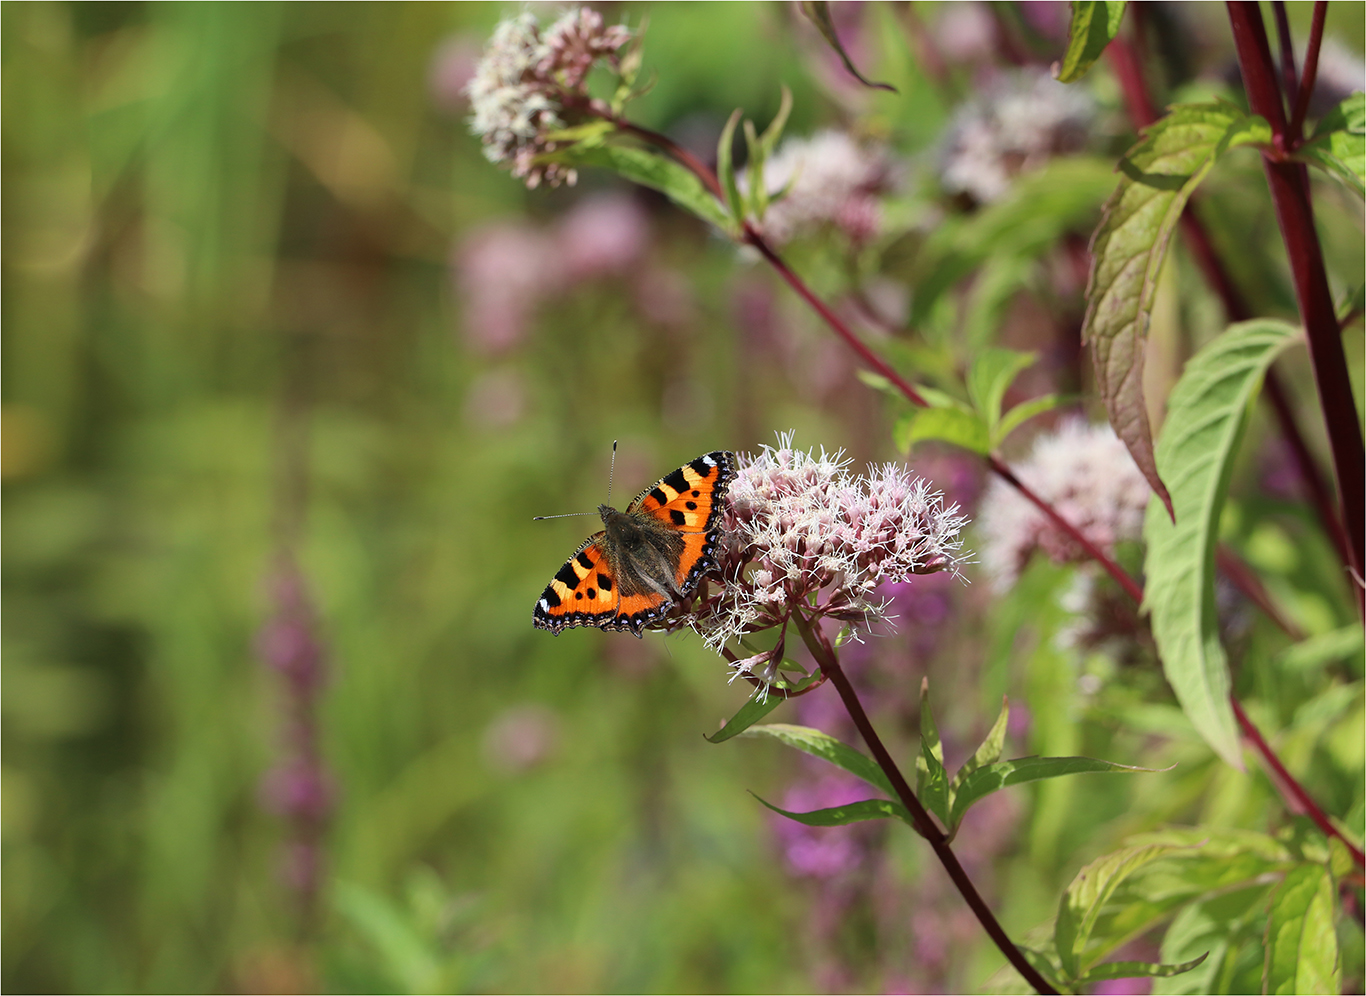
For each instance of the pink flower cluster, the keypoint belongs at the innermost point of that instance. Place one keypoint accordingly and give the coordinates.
(525, 79)
(1086, 473)
(802, 532)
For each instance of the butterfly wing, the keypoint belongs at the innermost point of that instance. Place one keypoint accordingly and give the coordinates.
(690, 501)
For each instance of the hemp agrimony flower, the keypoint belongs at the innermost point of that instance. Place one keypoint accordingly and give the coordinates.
(804, 536)
(527, 85)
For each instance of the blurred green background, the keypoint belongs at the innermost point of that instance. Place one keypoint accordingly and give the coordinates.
(242, 290)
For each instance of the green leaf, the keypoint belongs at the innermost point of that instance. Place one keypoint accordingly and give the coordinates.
(1139, 969)
(1206, 414)
(994, 287)
(401, 948)
(1315, 652)
(931, 780)
(991, 374)
(725, 168)
(988, 752)
(768, 141)
(1003, 774)
(1129, 247)
(651, 170)
(949, 425)
(1023, 412)
(853, 812)
(824, 746)
(750, 713)
(1301, 938)
(1084, 899)
(1095, 23)
(1226, 927)
(1338, 144)
(819, 13)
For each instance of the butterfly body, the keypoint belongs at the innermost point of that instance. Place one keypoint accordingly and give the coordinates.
(647, 558)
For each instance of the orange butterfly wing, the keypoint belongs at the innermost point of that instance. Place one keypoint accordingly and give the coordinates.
(691, 500)
(584, 591)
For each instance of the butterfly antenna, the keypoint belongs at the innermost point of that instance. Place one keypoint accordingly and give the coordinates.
(562, 515)
(611, 469)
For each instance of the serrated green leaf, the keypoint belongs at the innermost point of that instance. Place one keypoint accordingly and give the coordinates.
(1338, 144)
(853, 812)
(949, 425)
(1206, 414)
(1129, 247)
(1003, 774)
(992, 373)
(1023, 412)
(1139, 970)
(1084, 899)
(931, 780)
(725, 168)
(824, 746)
(1095, 23)
(987, 752)
(1301, 938)
(819, 13)
(649, 169)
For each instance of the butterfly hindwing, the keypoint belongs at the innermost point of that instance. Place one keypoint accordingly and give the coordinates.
(582, 592)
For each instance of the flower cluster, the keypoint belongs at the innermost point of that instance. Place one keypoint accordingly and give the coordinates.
(803, 534)
(524, 81)
(1020, 121)
(1084, 472)
(830, 180)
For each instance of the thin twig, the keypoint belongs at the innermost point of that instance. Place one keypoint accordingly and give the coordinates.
(830, 666)
(1311, 70)
(1289, 79)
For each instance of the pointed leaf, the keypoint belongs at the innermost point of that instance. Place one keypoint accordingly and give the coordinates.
(1338, 144)
(1003, 774)
(1129, 247)
(1095, 23)
(1301, 938)
(931, 780)
(819, 13)
(725, 168)
(992, 373)
(1025, 411)
(750, 713)
(1205, 418)
(1139, 970)
(824, 746)
(768, 141)
(853, 812)
(651, 170)
(988, 752)
(1086, 896)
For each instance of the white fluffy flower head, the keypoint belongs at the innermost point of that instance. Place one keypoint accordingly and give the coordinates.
(834, 181)
(803, 534)
(526, 79)
(1085, 472)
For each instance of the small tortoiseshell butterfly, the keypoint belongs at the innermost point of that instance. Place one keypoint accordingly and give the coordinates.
(649, 556)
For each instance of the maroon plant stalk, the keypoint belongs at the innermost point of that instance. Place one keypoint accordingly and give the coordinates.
(829, 664)
(1125, 65)
(1290, 785)
(1129, 585)
(1311, 69)
(1290, 194)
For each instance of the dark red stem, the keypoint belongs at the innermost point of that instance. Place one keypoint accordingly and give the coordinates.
(1290, 194)
(1289, 79)
(1311, 70)
(1290, 785)
(829, 664)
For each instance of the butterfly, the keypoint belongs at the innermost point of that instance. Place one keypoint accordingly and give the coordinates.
(647, 558)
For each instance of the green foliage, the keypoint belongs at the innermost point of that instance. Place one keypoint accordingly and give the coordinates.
(1301, 936)
(1338, 144)
(1130, 246)
(1095, 23)
(1207, 413)
(650, 169)
(819, 13)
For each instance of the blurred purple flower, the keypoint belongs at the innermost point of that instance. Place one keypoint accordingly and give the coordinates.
(452, 68)
(298, 788)
(301, 866)
(602, 235)
(665, 297)
(823, 852)
(966, 32)
(502, 272)
(521, 737)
